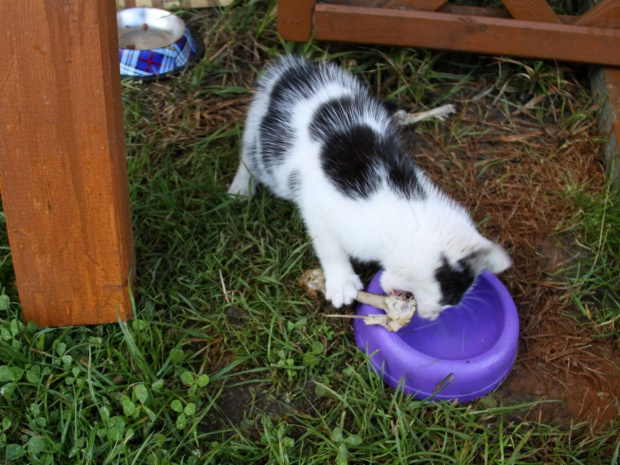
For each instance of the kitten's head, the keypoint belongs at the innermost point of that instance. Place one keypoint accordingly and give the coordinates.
(441, 267)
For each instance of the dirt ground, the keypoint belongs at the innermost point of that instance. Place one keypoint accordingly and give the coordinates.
(561, 362)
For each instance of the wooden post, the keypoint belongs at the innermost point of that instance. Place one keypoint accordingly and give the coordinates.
(62, 161)
(295, 19)
(606, 82)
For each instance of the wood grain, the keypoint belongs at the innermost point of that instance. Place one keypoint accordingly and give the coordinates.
(62, 161)
(606, 82)
(603, 14)
(444, 7)
(467, 33)
(295, 19)
(531, 10)
(427, 5)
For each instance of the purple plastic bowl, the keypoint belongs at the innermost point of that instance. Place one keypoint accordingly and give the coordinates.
(464, 354)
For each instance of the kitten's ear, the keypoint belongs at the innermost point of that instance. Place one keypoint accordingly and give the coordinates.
(492, 258)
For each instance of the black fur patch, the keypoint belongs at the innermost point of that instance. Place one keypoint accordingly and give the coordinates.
(331, 118)
(454, 281)
(299, 79)
(276, 138)
(276, 133)
(349, 158)
(402, 176)
(294, 182)
(251, 156)
(356, 158)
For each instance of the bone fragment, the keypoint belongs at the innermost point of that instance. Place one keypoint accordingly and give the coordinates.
(313, 282)
(399, 309)
(403, 118)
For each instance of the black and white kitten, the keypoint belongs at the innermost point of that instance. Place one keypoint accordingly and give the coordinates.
(316, 136)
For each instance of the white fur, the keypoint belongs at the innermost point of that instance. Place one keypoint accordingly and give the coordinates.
(406, 237)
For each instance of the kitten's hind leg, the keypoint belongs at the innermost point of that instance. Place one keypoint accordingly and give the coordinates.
(243, 185)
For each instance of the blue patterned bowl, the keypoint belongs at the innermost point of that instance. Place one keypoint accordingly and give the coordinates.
(153, 43)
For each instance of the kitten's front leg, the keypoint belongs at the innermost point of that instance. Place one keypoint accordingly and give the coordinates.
(341, 282)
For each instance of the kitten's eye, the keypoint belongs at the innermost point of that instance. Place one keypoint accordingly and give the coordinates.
(408, 295)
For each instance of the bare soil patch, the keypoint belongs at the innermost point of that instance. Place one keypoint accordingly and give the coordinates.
(515, 177)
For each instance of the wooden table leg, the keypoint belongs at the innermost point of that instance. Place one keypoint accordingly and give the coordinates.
(63, 171)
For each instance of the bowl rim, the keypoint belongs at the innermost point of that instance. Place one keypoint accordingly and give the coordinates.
(193, 57)
(144, 10)
(439, 394)
(386, 348)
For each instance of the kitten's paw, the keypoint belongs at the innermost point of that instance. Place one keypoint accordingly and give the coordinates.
(342, 290)
(238, 194)
(240, 190)
(243, 185)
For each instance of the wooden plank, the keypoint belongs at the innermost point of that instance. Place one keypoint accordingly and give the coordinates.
(295, 19)
(425, 5)
(449, 8)
(476, 11)
(531, 10)
(62, 161)
(467, 33)
(171, 4)
(606, 82)
(603, 14)
(414, 4)
(493, 12)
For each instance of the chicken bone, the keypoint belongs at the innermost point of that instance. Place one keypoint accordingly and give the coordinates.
(399, 309)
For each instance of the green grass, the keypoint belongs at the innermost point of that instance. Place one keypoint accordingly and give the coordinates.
(227, 361)
(594, 276)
